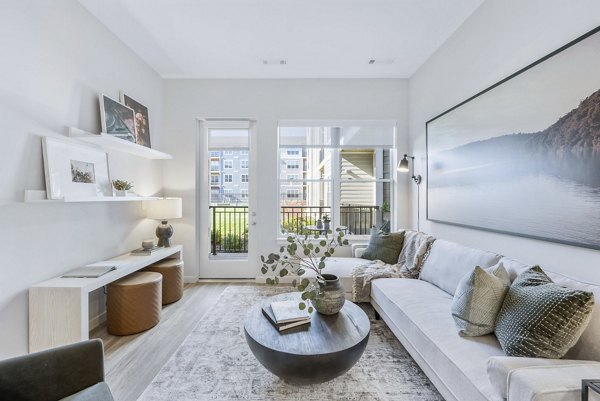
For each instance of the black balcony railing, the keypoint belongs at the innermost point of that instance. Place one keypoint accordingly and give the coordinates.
(229, 229)
(229, 224)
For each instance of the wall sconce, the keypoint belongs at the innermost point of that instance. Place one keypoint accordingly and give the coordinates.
(403, 168)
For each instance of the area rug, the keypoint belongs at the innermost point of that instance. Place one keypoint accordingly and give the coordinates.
(215, 363)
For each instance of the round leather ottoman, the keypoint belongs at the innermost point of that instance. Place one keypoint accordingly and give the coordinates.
(172, 274)
(134, 303)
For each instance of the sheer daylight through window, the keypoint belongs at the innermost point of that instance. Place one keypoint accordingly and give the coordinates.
(335, 177)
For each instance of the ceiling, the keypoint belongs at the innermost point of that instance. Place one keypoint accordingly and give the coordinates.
(316, 38)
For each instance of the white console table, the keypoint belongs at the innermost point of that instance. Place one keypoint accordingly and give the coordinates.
(58, 308)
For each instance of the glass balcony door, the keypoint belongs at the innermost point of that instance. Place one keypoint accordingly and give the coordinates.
(225, 199)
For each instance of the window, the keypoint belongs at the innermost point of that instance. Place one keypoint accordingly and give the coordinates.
(243, 152)
(228, 164)
(292, 164)
(345, 173)
(244, 178)
(293, 194)
(214, 165)
(244, 193)
(215, 154)
(214, 179)
(293, 152)
(228, 178)
(228, 153)
(244, 164)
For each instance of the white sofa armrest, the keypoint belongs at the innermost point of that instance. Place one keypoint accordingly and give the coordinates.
(550, 383)
(500, 367)
(358, 250)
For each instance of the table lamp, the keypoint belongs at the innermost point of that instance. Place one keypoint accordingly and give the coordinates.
(164, 209)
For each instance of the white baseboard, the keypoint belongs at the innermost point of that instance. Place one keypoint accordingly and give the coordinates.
(190, 279)
(97, 320)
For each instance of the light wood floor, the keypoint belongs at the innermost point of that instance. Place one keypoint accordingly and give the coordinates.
(131, 362)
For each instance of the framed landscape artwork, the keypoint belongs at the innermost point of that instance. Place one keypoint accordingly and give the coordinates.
(74, 171)
(523, 156)
(142, 124)
(117, 119)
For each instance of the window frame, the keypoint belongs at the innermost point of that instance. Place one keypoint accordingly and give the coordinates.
(335, 177)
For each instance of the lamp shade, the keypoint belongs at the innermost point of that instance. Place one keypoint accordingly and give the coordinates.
(164, 209)
(403, 165)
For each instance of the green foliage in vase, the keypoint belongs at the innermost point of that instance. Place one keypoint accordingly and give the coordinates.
(302, 253)
(121, 185)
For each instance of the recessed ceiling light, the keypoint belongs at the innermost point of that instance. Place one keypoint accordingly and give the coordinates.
(381, 61)
(274, 61)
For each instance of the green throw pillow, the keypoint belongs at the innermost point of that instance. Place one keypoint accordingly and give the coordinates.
(540, 319)
(384, 247)
(478, 299)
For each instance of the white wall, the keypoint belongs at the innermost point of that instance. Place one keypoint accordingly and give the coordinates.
(56, 58)
(500, 37)
(267, 101)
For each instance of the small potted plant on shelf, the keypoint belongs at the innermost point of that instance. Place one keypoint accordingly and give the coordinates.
(122, 186)
(303, 253)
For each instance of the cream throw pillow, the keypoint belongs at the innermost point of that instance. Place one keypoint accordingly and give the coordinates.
(478, 299)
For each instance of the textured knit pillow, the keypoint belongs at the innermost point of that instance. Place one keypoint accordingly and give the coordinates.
(384, 247)
(542, 319)
(478, 299)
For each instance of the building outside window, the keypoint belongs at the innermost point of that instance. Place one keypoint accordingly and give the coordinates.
(244, 164)
(244, 193)
(214, 165)
(244, 178)
(228, 178)
(293, 194)
(344, 173)
(293, 164)
(214, 179)
(228, 163)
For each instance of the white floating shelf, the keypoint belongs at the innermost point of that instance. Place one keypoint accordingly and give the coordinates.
(110, 142)
(35, 196)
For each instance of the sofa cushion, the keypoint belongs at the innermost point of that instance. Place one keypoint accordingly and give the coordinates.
(551, 383)
(384, 247)
(478, 299)
(448, 262)
(421, 312)
(540, 318)
(514, 267)
(499, 368)
(342, 267)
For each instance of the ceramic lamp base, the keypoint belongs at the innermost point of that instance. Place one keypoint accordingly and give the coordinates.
(164, 232)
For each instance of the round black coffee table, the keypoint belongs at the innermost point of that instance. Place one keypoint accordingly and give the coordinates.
(326, 349)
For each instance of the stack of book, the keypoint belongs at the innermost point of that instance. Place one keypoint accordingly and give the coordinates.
(284, 315)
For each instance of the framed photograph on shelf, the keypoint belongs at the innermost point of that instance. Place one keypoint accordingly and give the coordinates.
(74, 170)
(142, 124)
(117, 119)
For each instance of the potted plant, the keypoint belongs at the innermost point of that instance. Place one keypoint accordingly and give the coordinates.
(122, 186)
(326, 221)
(303, 253)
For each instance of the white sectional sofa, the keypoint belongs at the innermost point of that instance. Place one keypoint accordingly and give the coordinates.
(473, 368)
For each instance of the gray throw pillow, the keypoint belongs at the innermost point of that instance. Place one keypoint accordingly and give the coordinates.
(384, 247)
(541, 319)
(478, 299)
